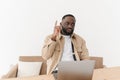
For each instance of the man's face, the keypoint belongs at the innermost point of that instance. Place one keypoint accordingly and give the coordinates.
(67, 25)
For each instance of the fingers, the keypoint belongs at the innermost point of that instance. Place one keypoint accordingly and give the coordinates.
(56, 26)
(56, 31)
(56, 23)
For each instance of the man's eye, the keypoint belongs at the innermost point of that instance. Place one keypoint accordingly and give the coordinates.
(72, 24)
(66, 23)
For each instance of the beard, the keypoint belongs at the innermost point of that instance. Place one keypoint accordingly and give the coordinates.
(65, 32)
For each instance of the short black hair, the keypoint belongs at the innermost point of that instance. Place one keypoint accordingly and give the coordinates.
(67, 16)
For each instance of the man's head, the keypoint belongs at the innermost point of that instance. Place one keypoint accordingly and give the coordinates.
(67, 24)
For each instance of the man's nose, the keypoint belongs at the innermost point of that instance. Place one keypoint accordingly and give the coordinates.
(70, 26)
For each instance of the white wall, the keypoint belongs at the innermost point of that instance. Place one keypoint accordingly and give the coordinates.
(25, 23)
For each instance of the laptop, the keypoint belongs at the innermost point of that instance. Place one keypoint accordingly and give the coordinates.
(76, 70)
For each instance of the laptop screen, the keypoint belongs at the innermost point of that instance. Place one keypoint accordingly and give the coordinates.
(76, 70)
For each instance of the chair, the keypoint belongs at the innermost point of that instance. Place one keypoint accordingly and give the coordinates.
(13, 71)
(98, 61)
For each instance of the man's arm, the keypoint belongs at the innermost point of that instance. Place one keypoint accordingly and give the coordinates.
(85, 53)
(50, 43)
(48, 48)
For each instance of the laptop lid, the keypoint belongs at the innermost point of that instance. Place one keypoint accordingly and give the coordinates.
(76, 70)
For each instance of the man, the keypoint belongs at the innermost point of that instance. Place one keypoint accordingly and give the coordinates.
(63, 44)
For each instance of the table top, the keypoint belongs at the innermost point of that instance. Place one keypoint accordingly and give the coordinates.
(41, 77)
(111, 73)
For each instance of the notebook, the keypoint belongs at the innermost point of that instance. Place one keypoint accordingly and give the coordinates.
(76, 70)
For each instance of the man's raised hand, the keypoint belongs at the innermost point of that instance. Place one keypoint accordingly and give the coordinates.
(56, 31)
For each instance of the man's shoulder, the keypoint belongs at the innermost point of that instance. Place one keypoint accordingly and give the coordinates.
(78, 36)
